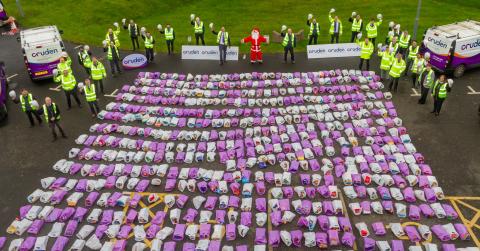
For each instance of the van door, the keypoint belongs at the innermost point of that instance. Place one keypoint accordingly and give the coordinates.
(41, 60)
(439, 48)
(467, 52)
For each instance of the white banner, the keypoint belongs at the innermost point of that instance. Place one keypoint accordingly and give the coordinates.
(207, 52)
(333, 50)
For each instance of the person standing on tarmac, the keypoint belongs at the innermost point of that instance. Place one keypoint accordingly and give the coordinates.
(396, 70)
(336, 28)
(439, 93)
(403, 42)
(169, 37)
(372, 28)
(426, 78)
(289, 43)
(52, 115)
(29, 106)
(386, 62)
(84, 58)
(314, 29)
(223, 41)
(69, 86)
(112, 55)
(366, 50)
(417, 67)
(411, 55)
(149, 44)
(357, 25)
(91, 97)
(98, 74)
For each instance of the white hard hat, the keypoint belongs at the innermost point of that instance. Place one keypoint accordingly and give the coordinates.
(391, 24)
(427, 55)
(397, 26)
(55, 72)
(379, 45)
(143, 29)
(35, 104)
(104, 42)
(379, 16)
(284, 27)
(450, 81)
(359, 35)
(64, 54)
(210, 25)
(310, 16)
(332, 10)
(390, 33)
(354, 14)
(80, 85)
(115, 24)
(12, 94)
(86, 47)
(192, 16)
(124, 20)
(159, 27)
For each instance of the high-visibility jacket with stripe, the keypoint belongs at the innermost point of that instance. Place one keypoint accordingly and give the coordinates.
(356, 24)
(412, 52)
(168, 34)
(332, 25)
(395, 48)
(115, 37)
(286, 39)
(366, 50)
(29, 100)
(109, 52)
(418, 65)
(98, 71)
(372, 29)
(397, 68)
(90, 94)
(68, 82)
(135, 29)
(314, 26)
(225, 37)
(387, 59)
(86, 60)
(63, 66)
(198, 28)
(428, 79)
(404, 40)
(442, 91)
(149, 42)
(45, 112)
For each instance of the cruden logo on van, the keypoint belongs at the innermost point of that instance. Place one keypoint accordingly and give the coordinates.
(471, 45)
(436, 42)
(134, 61)
(45, 52)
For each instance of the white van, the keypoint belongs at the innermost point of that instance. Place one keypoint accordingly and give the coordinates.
(42, 48)
(453, 47)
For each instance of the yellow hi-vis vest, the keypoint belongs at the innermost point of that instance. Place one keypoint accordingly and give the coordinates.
(312, 27)
(416, 62)
(45, 111)
(225, 37)
(198, 28)
(404, 41)
(286, 39)
(356, 24)
(168, 34)
(387, 59)
(412, 53)
(397, 68)
(149, 42)
(366, 50)
(29, 100)
(98, 72)
(372, 29)
(90, 94)
(332, 25)
(68, 82)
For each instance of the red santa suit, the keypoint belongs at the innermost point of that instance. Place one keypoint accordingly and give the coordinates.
(256, 40)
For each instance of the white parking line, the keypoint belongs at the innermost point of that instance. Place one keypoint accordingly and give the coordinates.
(57, 89)
(415, 93)
(14, 75)
(472, 91)
(112, 95)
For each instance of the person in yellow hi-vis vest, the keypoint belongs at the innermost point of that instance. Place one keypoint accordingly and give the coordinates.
(372, 28)
(169, 36)
(198, 28)
(314, 29)
(396, 70)
(387, 60)
(69, 86)
(289, 42)
(366, 50)
(51, 112)
(336, 28)
(411, 54)
(357, 25)
(98, 74)
(149, 43)
(439, 93)
(223, 41)
(91, 97)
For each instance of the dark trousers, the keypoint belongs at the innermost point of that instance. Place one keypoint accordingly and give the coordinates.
(52, 125)
(30, 117)
(313, 38)
(423, 97)
(373, 41)
(394, 84)
(223, 53)
(354, 35)
(361, 63)
(93, 107)
(437, 105)
(73, 93)
(408, 65)
(114, 64)
(402, 51)
(170, 46)
(135, 41)
(414, 80)
(88, 70)
(288, 49)
(334, 36)
(149, 54)
(199, 36)
(98, 84)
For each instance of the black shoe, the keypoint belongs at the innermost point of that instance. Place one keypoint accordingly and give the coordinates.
(31, 126)
(54, 139)
(432, 112)
(436, 114)
(64, 136)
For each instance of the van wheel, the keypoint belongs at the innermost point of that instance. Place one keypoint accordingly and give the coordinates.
(459, 71)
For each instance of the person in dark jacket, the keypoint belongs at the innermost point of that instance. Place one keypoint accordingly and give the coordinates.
(439, 93)
(52, 114)
(289, 42)
(223, 41)
(199, 29)
(29, 106)
(169, 37)
(314, 31)
(134, 31)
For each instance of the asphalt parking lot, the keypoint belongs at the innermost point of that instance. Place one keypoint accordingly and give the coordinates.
(449, 142)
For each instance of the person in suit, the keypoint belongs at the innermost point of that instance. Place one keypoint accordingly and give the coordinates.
(51, 112)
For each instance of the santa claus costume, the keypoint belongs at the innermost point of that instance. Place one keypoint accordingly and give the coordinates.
(256, 39)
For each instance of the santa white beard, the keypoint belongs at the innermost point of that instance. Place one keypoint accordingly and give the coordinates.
(255, 34)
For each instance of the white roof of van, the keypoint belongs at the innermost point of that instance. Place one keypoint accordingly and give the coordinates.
(39, 35)
(463, 29)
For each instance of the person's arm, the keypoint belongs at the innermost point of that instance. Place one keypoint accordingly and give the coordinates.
(117, 31)
(330, 18)
(173, 34)
(229, 44)
(58, 111)
(283, 34)
(361, 25)
(379, 22)
(79, 59)
(192, 23)
(203, 28)
(162, 32)
(214, 32)
(308, 22)
(125, 26)
(153, 40)
(39, 111)
(341, 27)
(294, 41)
(350, 19)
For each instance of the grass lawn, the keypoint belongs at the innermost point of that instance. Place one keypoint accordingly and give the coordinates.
(86, 21)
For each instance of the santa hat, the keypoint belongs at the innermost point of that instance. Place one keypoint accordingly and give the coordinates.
(256, 29)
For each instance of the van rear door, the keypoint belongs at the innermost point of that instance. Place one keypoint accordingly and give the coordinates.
(439, 46)
(42, 59)
(467, 52)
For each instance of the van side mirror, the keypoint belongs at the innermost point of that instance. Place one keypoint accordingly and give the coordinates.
(60, 31)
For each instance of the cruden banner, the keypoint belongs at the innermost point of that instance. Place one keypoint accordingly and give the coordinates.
(208, 52)
(333, 50)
